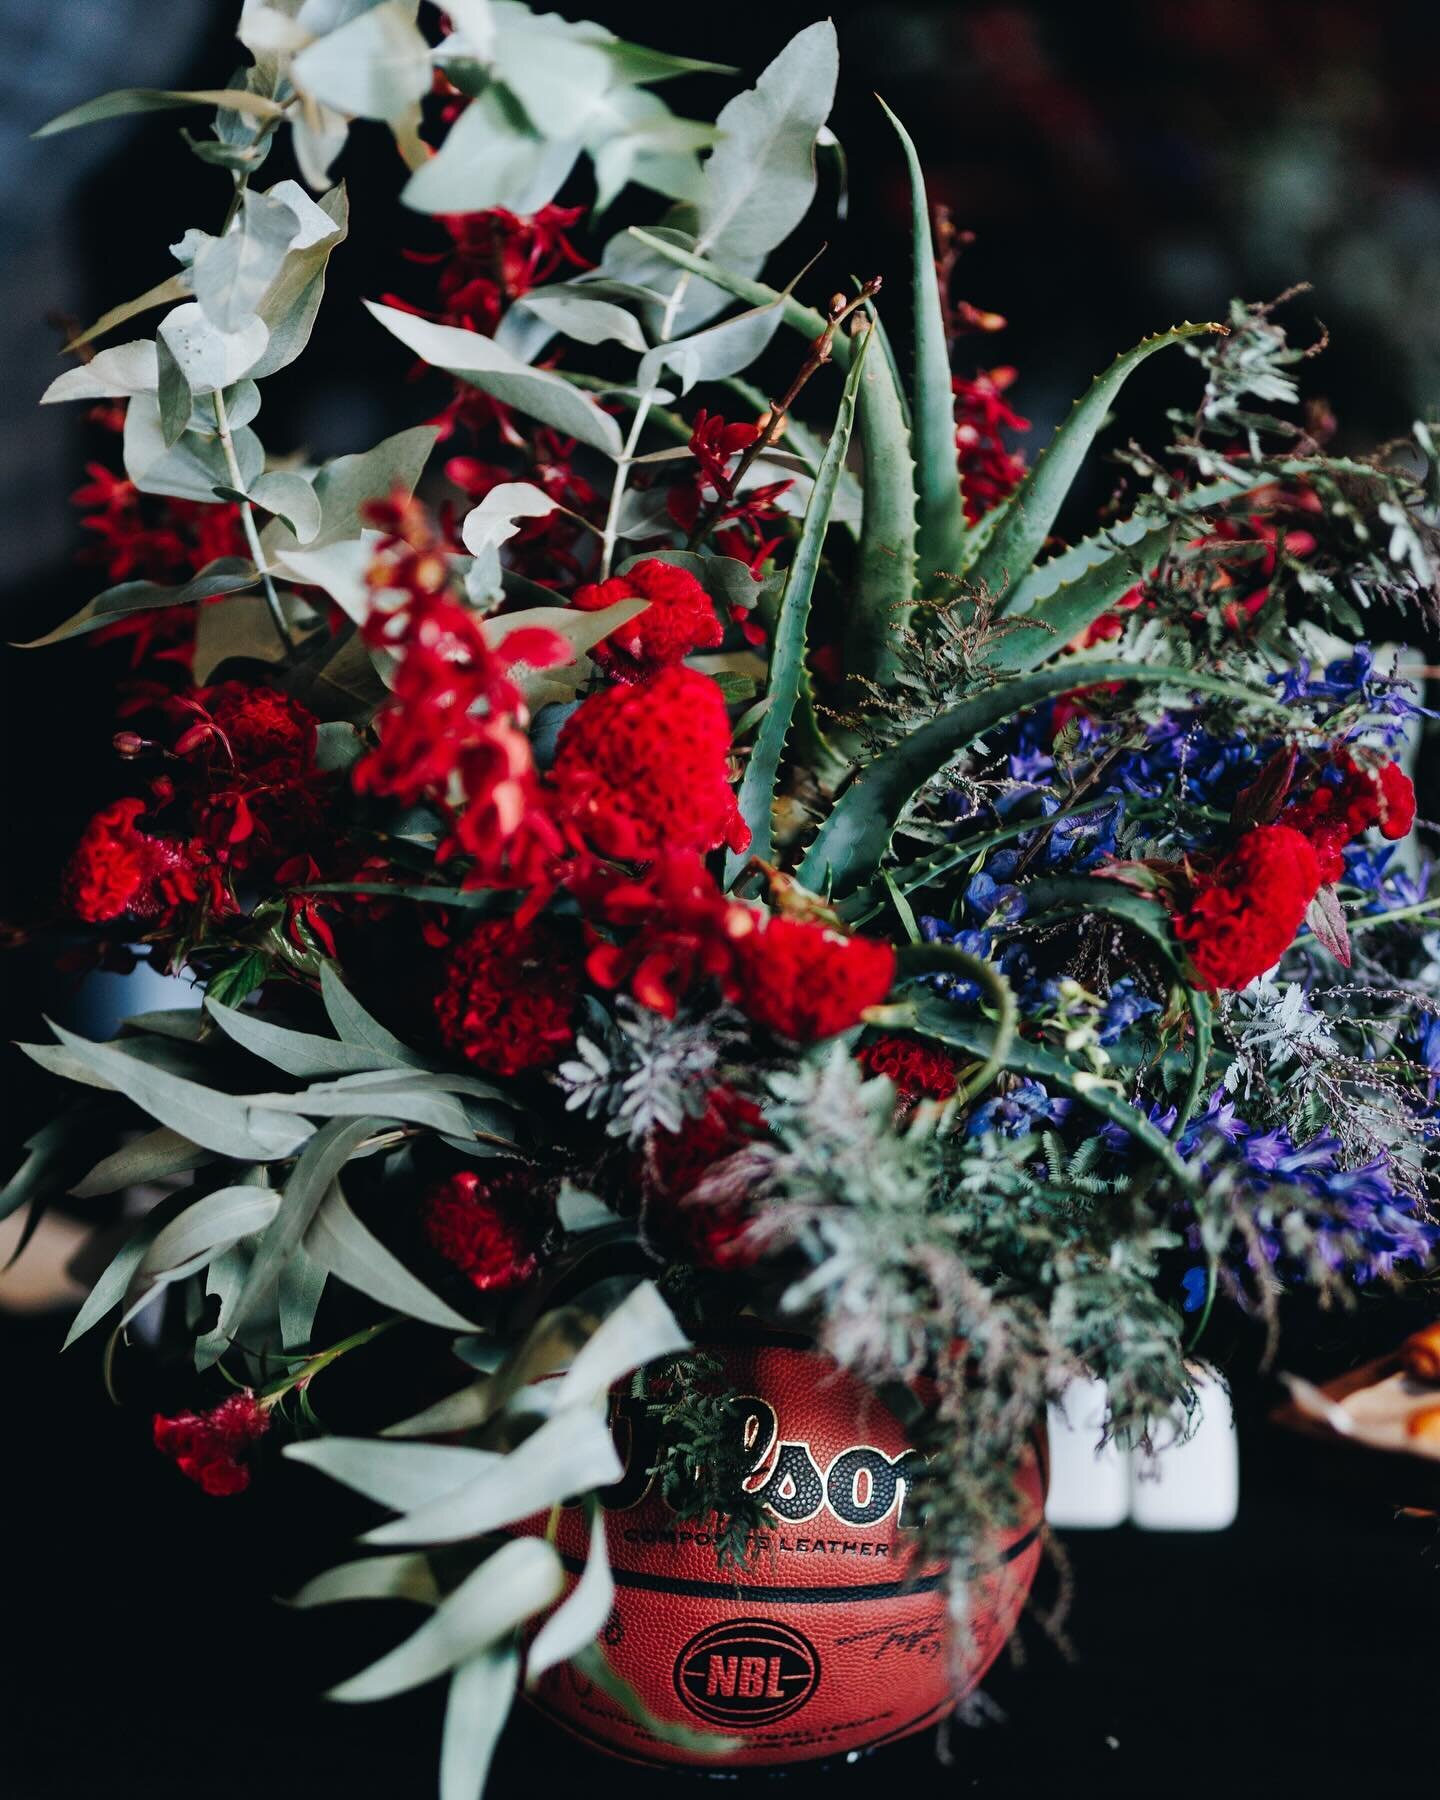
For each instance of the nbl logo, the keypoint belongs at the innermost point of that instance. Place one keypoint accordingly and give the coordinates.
(747, 1672)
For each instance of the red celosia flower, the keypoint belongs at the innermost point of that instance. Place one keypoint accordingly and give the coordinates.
(259, 793)
(682, 1166)
(804, 981)
(1334, 814)
(644, 768)
(988, 470)
(508, 998)
(1244, 911)
(118, 871)
(681, 929)
(919, 1070)
(211, 1447)
(678, 620)
(473, 1221)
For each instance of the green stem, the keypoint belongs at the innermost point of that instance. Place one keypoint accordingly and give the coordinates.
(921, 959)
(247, 519)
(312, 1365)
(1212, 1269)
(1400, 912)
(617, 491)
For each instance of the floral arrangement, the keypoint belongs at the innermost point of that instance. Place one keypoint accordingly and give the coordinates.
(652, 852)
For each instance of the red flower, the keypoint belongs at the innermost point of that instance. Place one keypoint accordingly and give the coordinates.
(804, 981)
(682, 929)
(1244, 912)
(989, 472)
(710, 1225)
(645, 768)
(1335, 813)
(678, 620)
(260, 795)
(118, 871)
(211, 1447)
(472, 1221)
(713, 442)
(509, 995)
(919, 1070)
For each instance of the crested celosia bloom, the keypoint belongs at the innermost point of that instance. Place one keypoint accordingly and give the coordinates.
(474, 1220)
(507, 998)
(119, 871)
(1335, 813)
(1244, 911)
(680, 619)
(920, 1070)
(644, 768)
(213, 1448)
(709, 1225)
(803, 980)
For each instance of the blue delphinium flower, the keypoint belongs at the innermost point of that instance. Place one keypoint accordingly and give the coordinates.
(1017, 1113)
(1124, 1006)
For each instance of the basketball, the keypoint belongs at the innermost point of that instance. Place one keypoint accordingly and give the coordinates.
(830, 1639)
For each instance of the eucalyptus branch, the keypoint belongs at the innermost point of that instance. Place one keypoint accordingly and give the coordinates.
(839, 311)
(300, 1379)
(247, 519)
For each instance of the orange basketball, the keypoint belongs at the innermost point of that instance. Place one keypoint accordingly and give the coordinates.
(830, 1640)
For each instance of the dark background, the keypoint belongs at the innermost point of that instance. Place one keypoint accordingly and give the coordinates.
(1124, 166)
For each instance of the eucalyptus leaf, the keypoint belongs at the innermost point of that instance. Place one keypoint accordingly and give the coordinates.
(581, 1616)
(355, 1025)
(400, 1476)
(215, 1121)
(191, 469)
(230, 274)
(570, 1453)
(522, 1578)
(345, 485)
(292, 299)
(760, 179)
(478, 1704)
(376, 66)
(492, 156)
(299, 1053)
(319, 1164)
(584, 319)
(476, 359)
(406, 1576)
(121, 102)
(227, 575)
(638, 1331)
(349, 1250)
(123, 370)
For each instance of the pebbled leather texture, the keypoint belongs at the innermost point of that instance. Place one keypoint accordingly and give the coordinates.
(830, 1640)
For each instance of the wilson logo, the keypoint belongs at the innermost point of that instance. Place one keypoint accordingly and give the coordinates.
(748, 1672)
(861, 1486)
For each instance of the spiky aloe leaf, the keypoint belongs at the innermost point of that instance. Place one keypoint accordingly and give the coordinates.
(1032, 510)
(886, 576)
(940, 511)
(933, 1016)
(787, 654)
(1062, 596)
(926, 959)
(1061, 895)
(850, 844)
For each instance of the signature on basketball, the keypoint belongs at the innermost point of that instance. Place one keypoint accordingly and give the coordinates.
(916, 1640)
